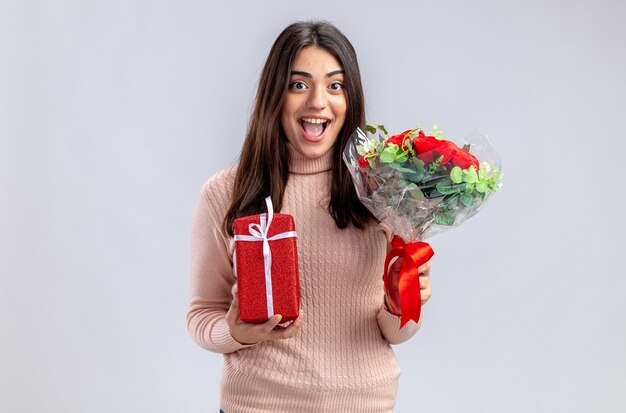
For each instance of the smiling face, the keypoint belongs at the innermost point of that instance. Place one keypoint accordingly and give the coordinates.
(315, 104)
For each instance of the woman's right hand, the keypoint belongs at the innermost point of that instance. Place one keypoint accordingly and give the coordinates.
(253, 333)
(392, 294)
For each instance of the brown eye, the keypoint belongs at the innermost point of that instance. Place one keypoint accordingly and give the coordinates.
(297, 85)
(337, 86)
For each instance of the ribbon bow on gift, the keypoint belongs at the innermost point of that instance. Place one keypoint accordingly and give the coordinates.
(413, 256)
(258, 232)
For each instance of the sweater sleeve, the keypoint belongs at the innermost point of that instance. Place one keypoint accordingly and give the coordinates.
(389, 324)
(212, 276)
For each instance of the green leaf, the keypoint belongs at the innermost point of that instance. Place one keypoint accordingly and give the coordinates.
(388, 155)
(370, 155)
(453, 201)
(399, 168)
(418, 163)
(437, 133)
(414, 176)
(409, 147)
(445, 188)
(402, 157)
(361, 150)
(481, 187)
(456, 174)
(470, 175)
(442, 218)
(370, 129)
(379, 149)
(467, 199)
(482, 175)
(434, 166)
(382, 128)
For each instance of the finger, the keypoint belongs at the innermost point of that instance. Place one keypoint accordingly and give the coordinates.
(288, 331)
(271, 323)
(290, 324)
(424, 282)
(424, 268)
(425, 292)
(298, 321)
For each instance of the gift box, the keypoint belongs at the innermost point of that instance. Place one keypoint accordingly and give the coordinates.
(266, 260)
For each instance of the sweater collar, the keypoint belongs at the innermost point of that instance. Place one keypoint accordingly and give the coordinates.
(300, 164)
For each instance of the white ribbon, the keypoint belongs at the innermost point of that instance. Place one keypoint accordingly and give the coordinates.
(258, 232)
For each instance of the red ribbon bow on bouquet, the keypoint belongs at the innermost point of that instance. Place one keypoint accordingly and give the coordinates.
(413, 256)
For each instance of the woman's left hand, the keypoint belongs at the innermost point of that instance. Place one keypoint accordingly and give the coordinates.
(393, 296)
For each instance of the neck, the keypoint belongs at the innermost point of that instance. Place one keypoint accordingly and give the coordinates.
(300, 164)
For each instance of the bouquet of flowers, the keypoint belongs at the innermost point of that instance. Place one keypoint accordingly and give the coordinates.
(419, 184)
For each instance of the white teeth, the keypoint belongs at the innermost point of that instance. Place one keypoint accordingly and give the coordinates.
(314, 120)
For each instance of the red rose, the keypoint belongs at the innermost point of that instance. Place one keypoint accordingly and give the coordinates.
(400, 138)
(449, 150)
(464, 159)
(363, 163)
(429, 149)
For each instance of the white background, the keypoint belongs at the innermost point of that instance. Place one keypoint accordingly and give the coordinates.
(113, 114)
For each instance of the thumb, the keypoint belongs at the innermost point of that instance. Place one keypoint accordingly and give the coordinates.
(270, 324)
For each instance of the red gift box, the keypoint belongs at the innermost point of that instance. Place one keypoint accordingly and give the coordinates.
(255, 285)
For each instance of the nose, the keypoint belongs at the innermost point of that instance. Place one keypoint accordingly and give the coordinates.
(317, 98)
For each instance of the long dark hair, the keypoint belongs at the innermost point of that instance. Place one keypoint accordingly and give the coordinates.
(264, 160)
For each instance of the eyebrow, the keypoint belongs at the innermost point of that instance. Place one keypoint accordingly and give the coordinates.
(307, 74)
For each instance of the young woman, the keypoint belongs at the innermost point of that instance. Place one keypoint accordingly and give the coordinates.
(336, 356)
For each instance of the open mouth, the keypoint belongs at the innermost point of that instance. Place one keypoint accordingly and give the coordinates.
(314, 126)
